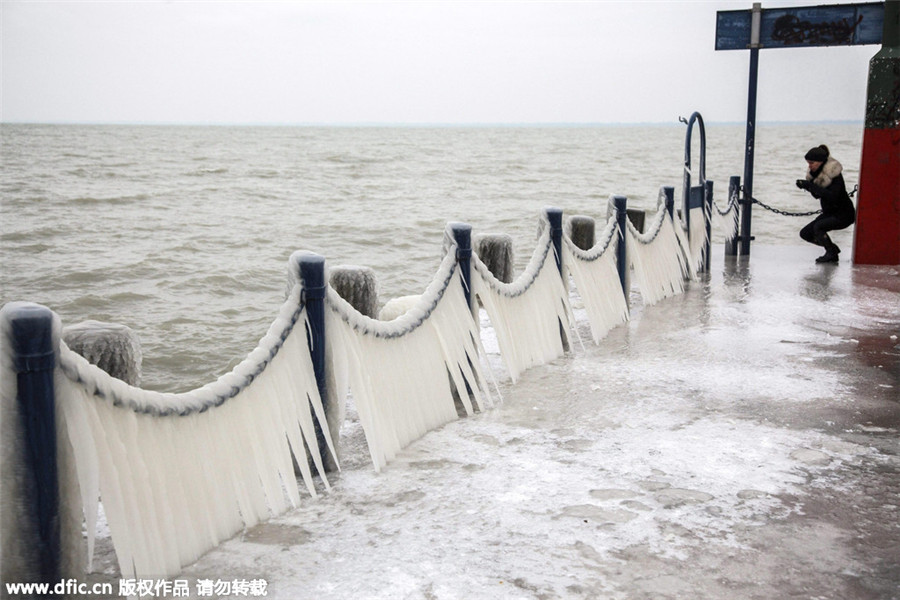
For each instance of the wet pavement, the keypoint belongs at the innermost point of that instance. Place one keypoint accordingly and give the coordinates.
(739, 441)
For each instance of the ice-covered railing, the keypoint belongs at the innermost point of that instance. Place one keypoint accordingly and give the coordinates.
(177, 473)
(403, 373)
(659, 258)
(727, 220)
(531, 315)
(597, 279)
(126, 447)
(251, 431)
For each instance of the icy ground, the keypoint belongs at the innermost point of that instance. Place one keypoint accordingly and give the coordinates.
(739, 441)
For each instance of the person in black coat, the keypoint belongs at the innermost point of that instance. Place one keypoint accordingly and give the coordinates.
(826, 183)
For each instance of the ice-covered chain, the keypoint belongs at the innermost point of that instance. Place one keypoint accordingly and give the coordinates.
(599, 249)
(404, 324)
(160, 404)
(524, 282)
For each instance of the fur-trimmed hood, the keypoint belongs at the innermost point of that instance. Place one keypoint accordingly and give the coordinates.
(831, 169)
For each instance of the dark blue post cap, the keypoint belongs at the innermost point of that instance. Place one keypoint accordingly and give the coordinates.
(462, 235)
(31, 339)
(554, 216)
(311, 268)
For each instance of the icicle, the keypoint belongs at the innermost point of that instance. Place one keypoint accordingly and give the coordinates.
(399, 374)
(178, 473)
(597, 281)
(725, 222)
(698, 237)
(526, 314)
(657, 259)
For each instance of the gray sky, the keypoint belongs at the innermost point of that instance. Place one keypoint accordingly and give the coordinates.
(405, 62)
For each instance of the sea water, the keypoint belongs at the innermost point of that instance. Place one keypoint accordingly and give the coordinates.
(183, 232)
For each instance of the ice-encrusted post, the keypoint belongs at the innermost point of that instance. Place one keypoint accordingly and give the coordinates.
(637, 218)
(496, 252)
(581, 230)
(357, 286)
(33, 359)
(734, 187)
(620, 202)
(312, 277)
(462, 235)
(554, 216)
(116, 349)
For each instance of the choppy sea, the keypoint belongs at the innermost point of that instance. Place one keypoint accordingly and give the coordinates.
(183, 233)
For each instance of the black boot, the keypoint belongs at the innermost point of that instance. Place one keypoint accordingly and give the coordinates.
(831, 250)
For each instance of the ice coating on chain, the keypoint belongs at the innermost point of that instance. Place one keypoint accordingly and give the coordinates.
(597, 280)
(530, 315)
(402, 373)
(659, 266)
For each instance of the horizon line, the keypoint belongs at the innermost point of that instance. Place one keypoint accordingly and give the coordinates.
(435, 124)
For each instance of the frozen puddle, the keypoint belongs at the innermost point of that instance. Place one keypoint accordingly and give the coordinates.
(591, 512)
(811, 457)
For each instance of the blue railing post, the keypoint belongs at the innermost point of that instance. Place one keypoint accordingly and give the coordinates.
(707, 214)
(34, 359)
(669, 193)
(462, 235)
(734, 187)
(312, 277)
(620, 203)
(554, 216)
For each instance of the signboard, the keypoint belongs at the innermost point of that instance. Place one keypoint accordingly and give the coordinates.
(802, 27)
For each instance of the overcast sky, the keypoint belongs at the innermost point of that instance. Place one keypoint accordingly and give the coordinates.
(405, 62)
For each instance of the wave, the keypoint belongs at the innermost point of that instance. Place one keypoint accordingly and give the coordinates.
(28, 236)
(264, 174)
(92, 200)
(204, 172)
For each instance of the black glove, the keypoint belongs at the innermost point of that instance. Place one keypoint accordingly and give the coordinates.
(803, 184)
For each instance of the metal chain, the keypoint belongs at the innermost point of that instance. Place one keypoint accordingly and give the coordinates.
(732, 205)
(794, 214)
(784, 212)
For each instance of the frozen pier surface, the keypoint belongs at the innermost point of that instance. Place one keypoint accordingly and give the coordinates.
(741, 440)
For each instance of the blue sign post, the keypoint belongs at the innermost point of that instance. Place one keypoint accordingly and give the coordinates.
(797, 27)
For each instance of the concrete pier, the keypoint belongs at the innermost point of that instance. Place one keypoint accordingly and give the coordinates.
(740, 441)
